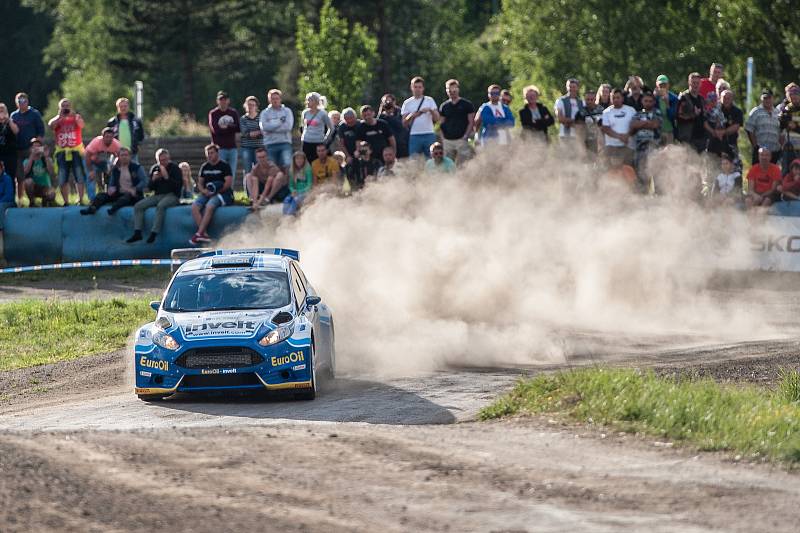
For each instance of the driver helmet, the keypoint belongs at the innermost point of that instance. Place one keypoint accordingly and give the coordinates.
(209, 293)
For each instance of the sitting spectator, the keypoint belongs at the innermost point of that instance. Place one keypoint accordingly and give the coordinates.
(39, 173)
(316, 126)
(667, 103)
(603, 97)
(215, 183)
(708, 85)
(67, 127)
(457, 123)
(348, 132)
(389, 160)
(690, 115)
(266, 182)
(506, 97)
(342, 160)
(277, 122)
(535, 117)
(128, 128)
(617, 129)
(7, 195)
(420, 113)
(360, 169)
(8, 142)
(763, 128)
(125, 186)
(223, 122)
(165, 183)
(568, 106)
(633, 92)
(300, 182)
(188, 189)
(726, 189)
(98, 155)
(763, 180)
(389, 112)
(589, 126)
(30, 124)
(324, 168)
(494, 120)
(375, 131)
(790, 122)
(646, 128)
(250, 131)
(790, 186)
(438, 161)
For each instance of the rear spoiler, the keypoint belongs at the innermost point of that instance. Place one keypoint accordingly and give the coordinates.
(293, 254)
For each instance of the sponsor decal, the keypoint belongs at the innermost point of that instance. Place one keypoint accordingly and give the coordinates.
(144, 334)
(299, 367)
(293, 357)
(227, 327)
(776, 243)
(218, 371)
(151, 363)
(145, 373)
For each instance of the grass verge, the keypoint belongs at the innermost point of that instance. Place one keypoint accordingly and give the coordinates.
(742, 419)
(36, 332)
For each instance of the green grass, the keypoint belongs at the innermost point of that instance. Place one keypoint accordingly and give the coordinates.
(36, 332)
(744, 419)
(114, 274)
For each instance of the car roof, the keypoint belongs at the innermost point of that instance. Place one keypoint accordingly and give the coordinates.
(239, 261)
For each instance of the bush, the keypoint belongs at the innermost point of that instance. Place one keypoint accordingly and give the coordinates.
(170, 123)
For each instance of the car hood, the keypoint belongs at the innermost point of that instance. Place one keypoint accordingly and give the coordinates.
(219, 323)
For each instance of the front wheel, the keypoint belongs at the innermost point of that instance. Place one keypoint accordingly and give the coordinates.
(311, 393)
(151, 397)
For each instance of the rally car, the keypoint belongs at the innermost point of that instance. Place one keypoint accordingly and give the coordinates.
(236, 320)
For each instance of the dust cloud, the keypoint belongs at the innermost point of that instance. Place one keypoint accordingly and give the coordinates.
(519, 258)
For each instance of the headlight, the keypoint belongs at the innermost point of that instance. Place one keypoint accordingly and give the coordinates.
(165, 341)
(276, 335)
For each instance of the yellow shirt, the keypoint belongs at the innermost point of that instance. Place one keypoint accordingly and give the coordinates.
(323, 172)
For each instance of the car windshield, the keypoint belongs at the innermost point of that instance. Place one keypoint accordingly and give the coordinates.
(228, 290)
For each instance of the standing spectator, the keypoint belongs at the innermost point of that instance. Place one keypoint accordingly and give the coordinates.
(690, 115)
(389, 160)
(494, 120)
(8, 142)
(334, 142)
(589, 128)
(300, 182)
(223, 121)
(38, 174)
(667, 104)
(187, 192)
(603, 97)
(68, 127)
(763, 181)
(633, 92)
(790, 186)
(646, 129)
(439, 163)
(535, 117)
(708, 85)
(763, 128)
(375, 131)
(722, 85)
(617, 128)
(125, 186)
(716, 126)
(457, 123)
(277, 122)
(348, 132)
(251, 136)
(790, 123)
(30, 124)
(734, 119)
(362, 167)
(165, 183)
(128, 128)
(567, 108)
(389, 112)
(419, 115)
(6, 193)
(266, 182)
(506, 97)
(324, 168)
(317, 126)
(215, 182)
(787, 98)
(98, 155)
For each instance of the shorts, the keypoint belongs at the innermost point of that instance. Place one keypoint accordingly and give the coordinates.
(75, 165)
(218, 200)
(281, 195)
(280, 154)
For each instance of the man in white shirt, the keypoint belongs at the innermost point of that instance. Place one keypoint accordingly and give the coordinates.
(617, 129)
(419, 114)
(567, 108)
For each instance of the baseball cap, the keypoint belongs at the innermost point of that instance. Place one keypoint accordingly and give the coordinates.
(662, 79)
(766, 92)
(222, 94)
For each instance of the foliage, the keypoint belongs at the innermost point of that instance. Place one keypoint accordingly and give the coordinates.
(170, 123)
(744, 419)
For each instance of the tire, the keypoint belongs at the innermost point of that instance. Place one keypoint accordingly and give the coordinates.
(330, 372)
(151, 397)
(310, 394)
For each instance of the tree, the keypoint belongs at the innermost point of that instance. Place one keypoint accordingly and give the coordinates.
(337, 59)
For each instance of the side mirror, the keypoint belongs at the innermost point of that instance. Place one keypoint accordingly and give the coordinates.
(155, 304)
(311, 301)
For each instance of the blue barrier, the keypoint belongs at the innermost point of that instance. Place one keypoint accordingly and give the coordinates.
(785, 209)
(53, 235)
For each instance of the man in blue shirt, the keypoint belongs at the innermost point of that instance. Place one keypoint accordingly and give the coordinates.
(30, 124)
(494, 121)
(6, 193)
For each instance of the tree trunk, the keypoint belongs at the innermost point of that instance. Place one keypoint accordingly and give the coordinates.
(383, 47)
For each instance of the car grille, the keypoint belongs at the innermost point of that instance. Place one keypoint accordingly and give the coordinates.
(224, 357)
(219, 380)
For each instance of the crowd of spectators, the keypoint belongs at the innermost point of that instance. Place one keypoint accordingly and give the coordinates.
(341, 151)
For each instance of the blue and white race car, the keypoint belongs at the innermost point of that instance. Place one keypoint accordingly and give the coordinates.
(236, 320)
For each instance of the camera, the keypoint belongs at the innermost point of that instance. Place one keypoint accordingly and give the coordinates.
(65, 111)
(211, 187)
(363, 151)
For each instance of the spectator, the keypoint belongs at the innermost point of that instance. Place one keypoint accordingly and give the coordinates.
(215, 183)
(348, 132)
(324, 168)
(567, 108)
(223, 121)
(389, 160)
(317, 126)
(251, 136)
(708, 85)
(763, 180)
(30, 124)
(667, 104)
(165, 183)
(493, 119)
(334, 142)
(535, 117)
(457, 123)
(633, 92)
(763, 128)
(734, 118)
(68, 127)
(300, 182)
(375, 131)
(715, 125)
(188, 183)
(690, 115)
(439, 163)
(276, 123)
(419, 115)
(790, 123)
(722, 85)
(8, 142)
(646, 129)
(128, 128)
(392, 115)
(726, 189)
(7, 195)
(125, 186)
(787, 98)
(38, 174)
(616, 127)
(506, 97)
(790, 186)
(360, 169)
(266, 181)
(603, 97)
(589, 129)
(98, 155)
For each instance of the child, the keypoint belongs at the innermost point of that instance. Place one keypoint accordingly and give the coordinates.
(726, 189)
(188, 187)
(790, 186)
(300, 181)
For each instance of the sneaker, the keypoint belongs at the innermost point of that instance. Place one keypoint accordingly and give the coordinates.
(137, 236)
(194, 240)
(152, 237)
(203, 237)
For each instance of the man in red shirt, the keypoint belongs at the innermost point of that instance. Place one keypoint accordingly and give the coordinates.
(67, 126)
(709, 85)
(763, 180)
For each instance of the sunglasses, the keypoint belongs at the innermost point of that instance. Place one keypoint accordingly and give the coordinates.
(494, 93)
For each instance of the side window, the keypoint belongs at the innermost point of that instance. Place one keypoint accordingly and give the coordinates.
(304, 280)
(298, 289)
